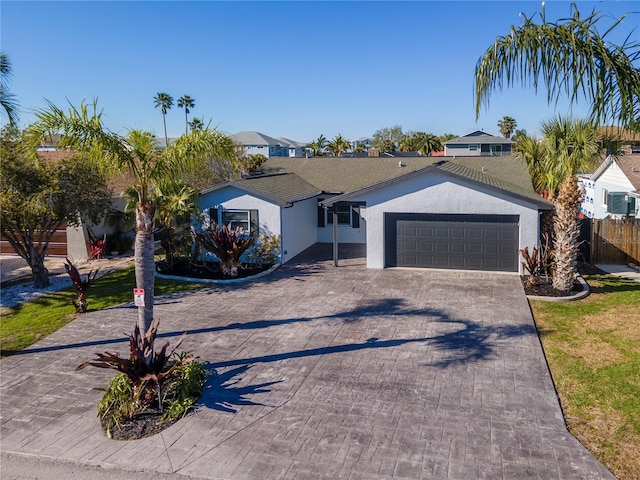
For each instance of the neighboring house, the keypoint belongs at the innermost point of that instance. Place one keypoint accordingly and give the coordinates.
(629, 140)
(420, 212)
(364, 141)
(255, 143)
(613, 190)
(296, 149)
(71, 241)
(477, 143)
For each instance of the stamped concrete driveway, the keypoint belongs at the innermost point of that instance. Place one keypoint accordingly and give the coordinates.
(320, 372)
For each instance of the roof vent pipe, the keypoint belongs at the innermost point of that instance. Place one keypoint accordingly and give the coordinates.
(484, 169)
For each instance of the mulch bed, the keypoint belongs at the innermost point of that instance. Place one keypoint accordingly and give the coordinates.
(208, 270)
(544, 288)
(143, 424)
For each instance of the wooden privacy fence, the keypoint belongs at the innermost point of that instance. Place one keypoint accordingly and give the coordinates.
(615, 241)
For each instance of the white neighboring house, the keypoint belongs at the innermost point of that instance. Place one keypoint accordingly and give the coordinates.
(613, 190)
(256, 143)
(421, 212)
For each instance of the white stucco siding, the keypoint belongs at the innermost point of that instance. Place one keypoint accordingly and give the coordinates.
(232, 198)
(346, 233)
(438, 193)
(298, 228)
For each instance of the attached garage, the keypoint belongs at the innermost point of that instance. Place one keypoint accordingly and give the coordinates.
(449, 216)
(452, 241)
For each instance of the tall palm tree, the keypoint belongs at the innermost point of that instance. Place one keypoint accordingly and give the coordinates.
(165, 102)
(567, 147)
(338, 145)
(186, 102)
(7, 99)
(82, 131)
(507, 125)
(570, 58)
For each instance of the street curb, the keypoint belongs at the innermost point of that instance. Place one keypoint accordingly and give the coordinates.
(578, 296)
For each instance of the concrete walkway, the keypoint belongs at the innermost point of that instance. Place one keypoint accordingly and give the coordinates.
(14, 268)
(622, 271)
(318, 372)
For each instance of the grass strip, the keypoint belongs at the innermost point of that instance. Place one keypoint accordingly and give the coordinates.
(593, 350)
(28, 322)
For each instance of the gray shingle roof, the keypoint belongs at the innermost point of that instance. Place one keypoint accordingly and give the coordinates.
(282, 189)
(344, 175)
(255, 138)
(291, 143)
(287, 180)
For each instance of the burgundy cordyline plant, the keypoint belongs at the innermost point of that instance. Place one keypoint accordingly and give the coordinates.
(81, 285)
(227, 244)
(145, 368)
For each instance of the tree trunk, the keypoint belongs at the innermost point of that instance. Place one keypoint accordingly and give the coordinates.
(144, 262)
(39, 272)
(566, 233)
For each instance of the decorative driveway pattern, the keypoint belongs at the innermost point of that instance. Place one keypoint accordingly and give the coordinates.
(318, 372)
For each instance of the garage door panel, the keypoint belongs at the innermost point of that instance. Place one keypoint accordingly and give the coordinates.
(475, 242)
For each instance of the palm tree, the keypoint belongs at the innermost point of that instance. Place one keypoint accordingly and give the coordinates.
(134, 154)
(570, 147)
(7, 99)
(175, 205)
(186, 102)
(196, 124)
(529, 150)
(507, 125)
(165, 102)
(569, 58)
(427, 143)
(567, 148)
(317, 146)
(338, 145)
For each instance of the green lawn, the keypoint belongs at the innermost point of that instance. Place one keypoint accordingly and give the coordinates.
(593, 350)
(28, 322)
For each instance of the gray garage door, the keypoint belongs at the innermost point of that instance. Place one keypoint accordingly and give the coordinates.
(465, 242)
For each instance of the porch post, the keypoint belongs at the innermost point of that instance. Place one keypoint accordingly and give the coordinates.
(335, 235)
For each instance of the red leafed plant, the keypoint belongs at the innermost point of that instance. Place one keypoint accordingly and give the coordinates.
(96, 245)
(81, 285)
(145, 368)
(227, 244)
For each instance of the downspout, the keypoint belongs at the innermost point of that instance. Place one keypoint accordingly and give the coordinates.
(335, 235)
(282, 250)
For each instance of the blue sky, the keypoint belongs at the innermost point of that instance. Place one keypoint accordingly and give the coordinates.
(290, 69)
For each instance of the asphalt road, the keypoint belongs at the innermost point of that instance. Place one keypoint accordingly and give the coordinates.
(29, 467)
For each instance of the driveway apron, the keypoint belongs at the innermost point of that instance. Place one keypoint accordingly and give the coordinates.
(316, 372)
